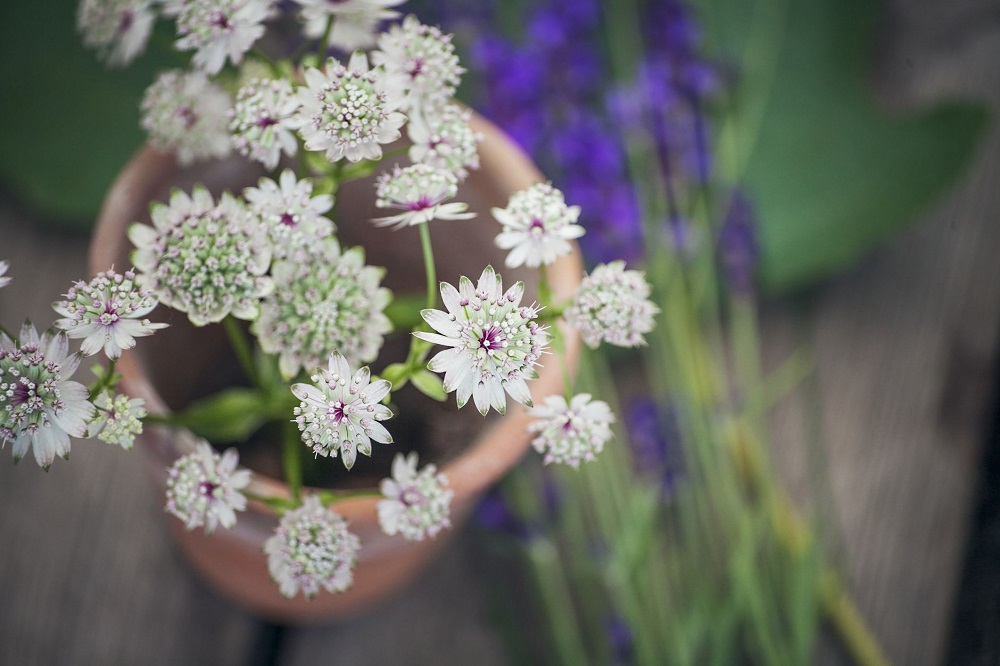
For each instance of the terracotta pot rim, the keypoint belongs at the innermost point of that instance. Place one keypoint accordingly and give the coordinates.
(497, 449)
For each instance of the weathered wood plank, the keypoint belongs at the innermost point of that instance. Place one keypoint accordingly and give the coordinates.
(87, 572)
(906, 347)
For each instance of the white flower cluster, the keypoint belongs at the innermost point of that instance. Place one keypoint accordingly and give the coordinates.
(186, 113)
(348, 111)
(420, 191)
(118, 419)
(571, 433)
(40, 407)
(203, 258)
(538, 226)
(445, 140)
(612, 305)
(217, 30)
(203, 488)
(420, 65)
(340, 411)
(109, 312)
(417, 505)
(312, 549)
(324, 301)
(354, 21)
(293, 217)
(262, 122)
(118, 29)
(494, 343)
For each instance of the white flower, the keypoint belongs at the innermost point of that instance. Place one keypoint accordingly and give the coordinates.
(204, 259)
(118, 29)
(109, 313)
(354, 21)
(40, 407)
(220, 29)
(494, 342)
(188, 114)
(420, 63)
(445, 140)
(261, 121)
(4, 281)
(571, 433)
(323, 302)
(340, 413)
(612, 305)
(118, 419)
(293, 217)
(420, 191)
(203, 488)
(538, 226)
(417, 504)
(347, 111)
(312, 549)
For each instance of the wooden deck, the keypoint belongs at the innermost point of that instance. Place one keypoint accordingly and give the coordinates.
(906, 346)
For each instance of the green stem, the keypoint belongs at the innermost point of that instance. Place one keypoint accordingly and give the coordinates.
(291, 450)
(324, 43)
(850, 625)
(429, 268)
(558, 343)
(241, 348)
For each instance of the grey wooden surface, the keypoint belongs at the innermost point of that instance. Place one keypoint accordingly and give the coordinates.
(906, 348)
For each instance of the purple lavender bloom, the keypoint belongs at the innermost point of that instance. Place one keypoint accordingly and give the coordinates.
(493, 513)
(655, 440)
(737, 246)
(620, 640)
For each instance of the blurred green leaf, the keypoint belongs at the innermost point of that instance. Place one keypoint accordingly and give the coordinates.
(69, 124)
(830, 173)
(229, 416)
(429, 384)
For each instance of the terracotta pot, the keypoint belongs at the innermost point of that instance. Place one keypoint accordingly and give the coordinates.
(181, 362)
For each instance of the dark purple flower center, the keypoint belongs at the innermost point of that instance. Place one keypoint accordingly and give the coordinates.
(126, 21)
(337, 413)
(287, 219)
(188, 116)
(266, 121)
(423, 203)
(411, 497)
(492, 339)
(207, 489)
(221, 21)
(536, 227)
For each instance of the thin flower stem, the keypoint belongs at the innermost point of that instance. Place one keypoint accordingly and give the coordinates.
(425, 243)
(241, 348)
(324, 42)
(105, 382)
(291, 450)
(327, 497)
(271, 65)
(558, 343)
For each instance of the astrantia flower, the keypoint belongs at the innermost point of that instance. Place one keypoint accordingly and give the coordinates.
(494, 342)
(443, 139)
(347, 111)
(417, 504)
(109, 312)
(118, 29)
(204, 259)
(420, 191)
(188, 114)
(538, 226)
(340, 411)
(118, 419)
(293, 217)
(220, 29)
(312, 549)
(261, 121)
(571, 433)
(4, 281)
(40, 407)
(203, 488)
(354, 21)
(612, 305)
(420, 63)
(323, 302)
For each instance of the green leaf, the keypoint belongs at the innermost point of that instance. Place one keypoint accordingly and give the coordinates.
(404, 311)
(429, 384)
(70, 124)
(230, 416)
(396, 374)
(831, 174)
